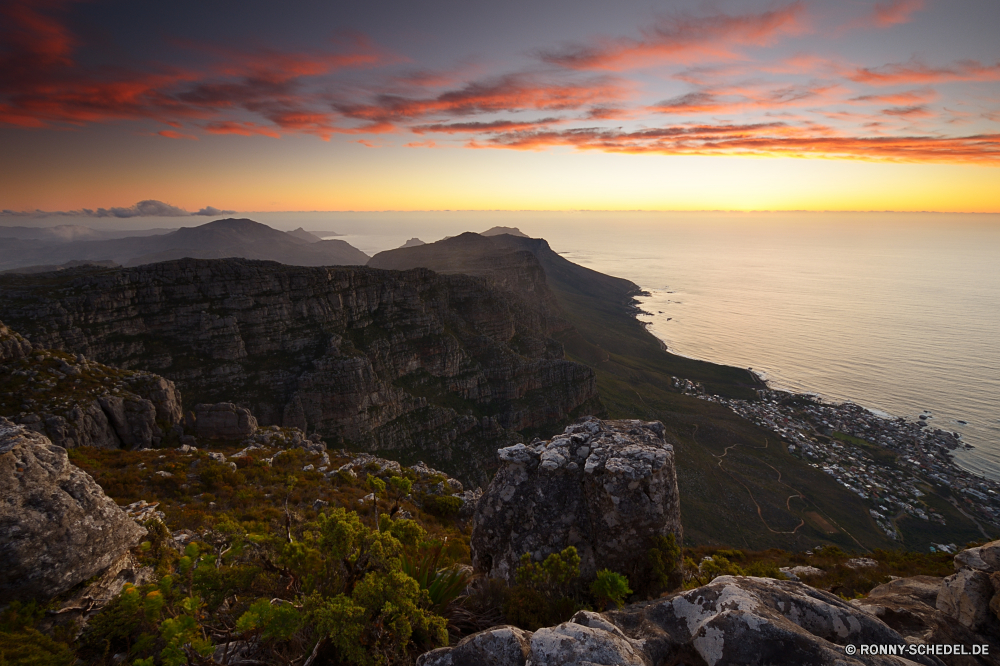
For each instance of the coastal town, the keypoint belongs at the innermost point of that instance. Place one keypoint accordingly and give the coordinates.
(884, 460)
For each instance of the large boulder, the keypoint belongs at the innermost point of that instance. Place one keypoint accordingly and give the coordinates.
(223, 420)
(57, 527)
(972, 594)
(732, 620)
(606, 487)
(12, 345)
(908, 605)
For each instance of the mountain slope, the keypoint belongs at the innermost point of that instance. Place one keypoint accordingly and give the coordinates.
(214, 240)
(432, 367)
(737, 481)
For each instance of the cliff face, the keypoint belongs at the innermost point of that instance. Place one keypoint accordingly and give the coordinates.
(444, 368)
(76, 402)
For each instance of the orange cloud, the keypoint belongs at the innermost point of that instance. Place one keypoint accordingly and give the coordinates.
(908, 97)
(685, 39)
(171, 134)
(915, 111)
(918, 73)
(486, 128)
(512, 92)
(242, 129)
(895, 12)
(420, 144)
(764, 139)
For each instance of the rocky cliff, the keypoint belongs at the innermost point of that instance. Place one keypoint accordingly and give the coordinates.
(77, 402)
(605, 487)
(437, 367)
(57, 527)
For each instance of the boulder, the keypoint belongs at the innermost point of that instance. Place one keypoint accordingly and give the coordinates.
(732, 620)
(966, 597)
(972, 595)
(57, 527)
(223, 420)
(12, 345)
(605, 487)
(908, 605)
(499, 646)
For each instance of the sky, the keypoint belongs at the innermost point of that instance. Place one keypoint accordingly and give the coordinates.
(208, 106)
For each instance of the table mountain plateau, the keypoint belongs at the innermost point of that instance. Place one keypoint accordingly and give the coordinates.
(443, 368)
(214, 240)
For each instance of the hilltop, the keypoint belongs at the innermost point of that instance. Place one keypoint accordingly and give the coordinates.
(214, 240)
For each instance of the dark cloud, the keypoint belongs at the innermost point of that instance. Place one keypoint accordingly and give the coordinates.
(146, 208)
(210, 211)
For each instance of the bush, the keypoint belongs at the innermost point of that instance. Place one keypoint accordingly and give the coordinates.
(662, 559)
(610, 588)
(544, 592)
(442, 506)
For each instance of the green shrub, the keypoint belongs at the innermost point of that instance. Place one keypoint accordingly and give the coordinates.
(610, 588)
(443, 584)
(544, 593)
(442, 506)
(29, 647)
(662, 559)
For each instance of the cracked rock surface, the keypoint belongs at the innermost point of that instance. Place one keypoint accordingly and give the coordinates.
(57, 527)
(605, 487)
(732, 620)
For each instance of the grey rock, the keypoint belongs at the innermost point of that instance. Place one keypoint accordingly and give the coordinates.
(966, 597)
(132, 412)
(223, 420)
(57, 527)
(794, 573)
(732, 620)
(908, 605)
(499, 646)
(605, 487)
(983, 558)
(860, 563)
(12, 345)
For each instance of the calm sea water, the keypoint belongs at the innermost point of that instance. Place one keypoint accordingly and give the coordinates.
(899, 313)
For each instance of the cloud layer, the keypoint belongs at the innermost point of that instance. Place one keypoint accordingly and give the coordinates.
(709, 83)
(146, 208)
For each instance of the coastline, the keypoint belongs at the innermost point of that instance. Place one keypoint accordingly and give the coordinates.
(839, 437)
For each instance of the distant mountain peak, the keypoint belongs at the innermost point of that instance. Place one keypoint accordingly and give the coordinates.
(510, 231)
(413, 242)
(302, 234)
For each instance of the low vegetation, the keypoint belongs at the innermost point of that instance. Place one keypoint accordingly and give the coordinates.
(277, 563)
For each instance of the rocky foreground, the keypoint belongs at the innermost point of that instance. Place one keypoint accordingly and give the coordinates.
(604, 471)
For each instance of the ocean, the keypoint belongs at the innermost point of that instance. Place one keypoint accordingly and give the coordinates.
(897, 312)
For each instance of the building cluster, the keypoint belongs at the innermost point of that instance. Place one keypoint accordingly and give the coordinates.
(882, 459)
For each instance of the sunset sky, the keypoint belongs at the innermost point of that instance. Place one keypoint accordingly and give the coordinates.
(551, 105)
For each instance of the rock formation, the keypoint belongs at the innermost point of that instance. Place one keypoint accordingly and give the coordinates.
(605, 487)
(426, 366)
(732, 620)
(76, 402)
(223, 420)
(12, 345)
(57, 527)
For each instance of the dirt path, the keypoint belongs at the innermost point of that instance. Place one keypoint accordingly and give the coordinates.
(760, 514)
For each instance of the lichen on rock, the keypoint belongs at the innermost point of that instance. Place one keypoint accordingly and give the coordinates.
(606, 487)
(57, 527)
